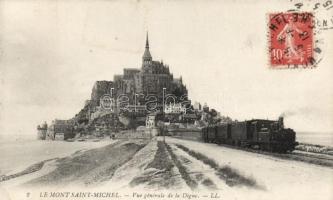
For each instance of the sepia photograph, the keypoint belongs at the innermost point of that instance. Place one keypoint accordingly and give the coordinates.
(166, 99)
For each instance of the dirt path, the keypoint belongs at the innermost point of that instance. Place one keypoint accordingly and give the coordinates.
(172, 166)
(160, 173)
(226, 173)
(202, 174)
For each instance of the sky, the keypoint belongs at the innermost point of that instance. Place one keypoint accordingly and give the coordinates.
(52, 52)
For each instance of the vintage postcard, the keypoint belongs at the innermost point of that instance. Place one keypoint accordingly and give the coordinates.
(166, 100)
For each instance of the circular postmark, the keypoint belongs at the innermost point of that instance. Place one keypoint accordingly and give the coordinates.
(296, 36)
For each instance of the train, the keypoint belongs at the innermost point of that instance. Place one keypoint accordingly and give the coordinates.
(265, 135)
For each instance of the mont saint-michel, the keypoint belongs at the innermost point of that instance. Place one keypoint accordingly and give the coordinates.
(135, 99)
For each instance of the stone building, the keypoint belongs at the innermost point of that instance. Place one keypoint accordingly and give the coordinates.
(42, 131)
(151, 121)
(174, 108)
(136, 84)
(149, 80)
(197, 106)
(134, 87)
(60, 130)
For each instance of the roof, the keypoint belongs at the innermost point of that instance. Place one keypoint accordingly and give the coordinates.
(261, 120)
(147, 54)
(132, 69)
(63, 122)
(194, 116)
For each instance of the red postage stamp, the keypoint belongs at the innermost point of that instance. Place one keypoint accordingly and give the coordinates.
(291, 39)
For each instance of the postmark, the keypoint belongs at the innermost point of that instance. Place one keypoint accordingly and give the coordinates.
(322, 10)
(322, 23)
(291, 39)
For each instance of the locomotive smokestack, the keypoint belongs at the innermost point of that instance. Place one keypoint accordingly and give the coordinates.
(281, 123)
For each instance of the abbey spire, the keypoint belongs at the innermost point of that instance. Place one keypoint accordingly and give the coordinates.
(147, 41)
(146, 58)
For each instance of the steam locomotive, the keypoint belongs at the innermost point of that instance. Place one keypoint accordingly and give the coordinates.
(266, 135)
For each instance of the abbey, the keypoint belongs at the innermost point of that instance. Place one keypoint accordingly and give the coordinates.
(150, 79)
(136, 85)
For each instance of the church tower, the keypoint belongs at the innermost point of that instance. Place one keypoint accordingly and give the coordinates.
(146, 58)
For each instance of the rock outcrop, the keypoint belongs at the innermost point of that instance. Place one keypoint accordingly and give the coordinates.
(100, 89)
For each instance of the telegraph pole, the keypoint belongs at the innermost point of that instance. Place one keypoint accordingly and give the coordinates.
(113, 114)
(163, 128)
(112, 101)
(135, 102)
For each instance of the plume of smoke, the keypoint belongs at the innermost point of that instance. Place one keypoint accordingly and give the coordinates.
(299, 111)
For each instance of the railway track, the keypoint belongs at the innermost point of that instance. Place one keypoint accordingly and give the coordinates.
(312, 158)
(313, 155)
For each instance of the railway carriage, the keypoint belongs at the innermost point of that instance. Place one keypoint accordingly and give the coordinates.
(211, 134)
(267, 135)
(224, 134)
